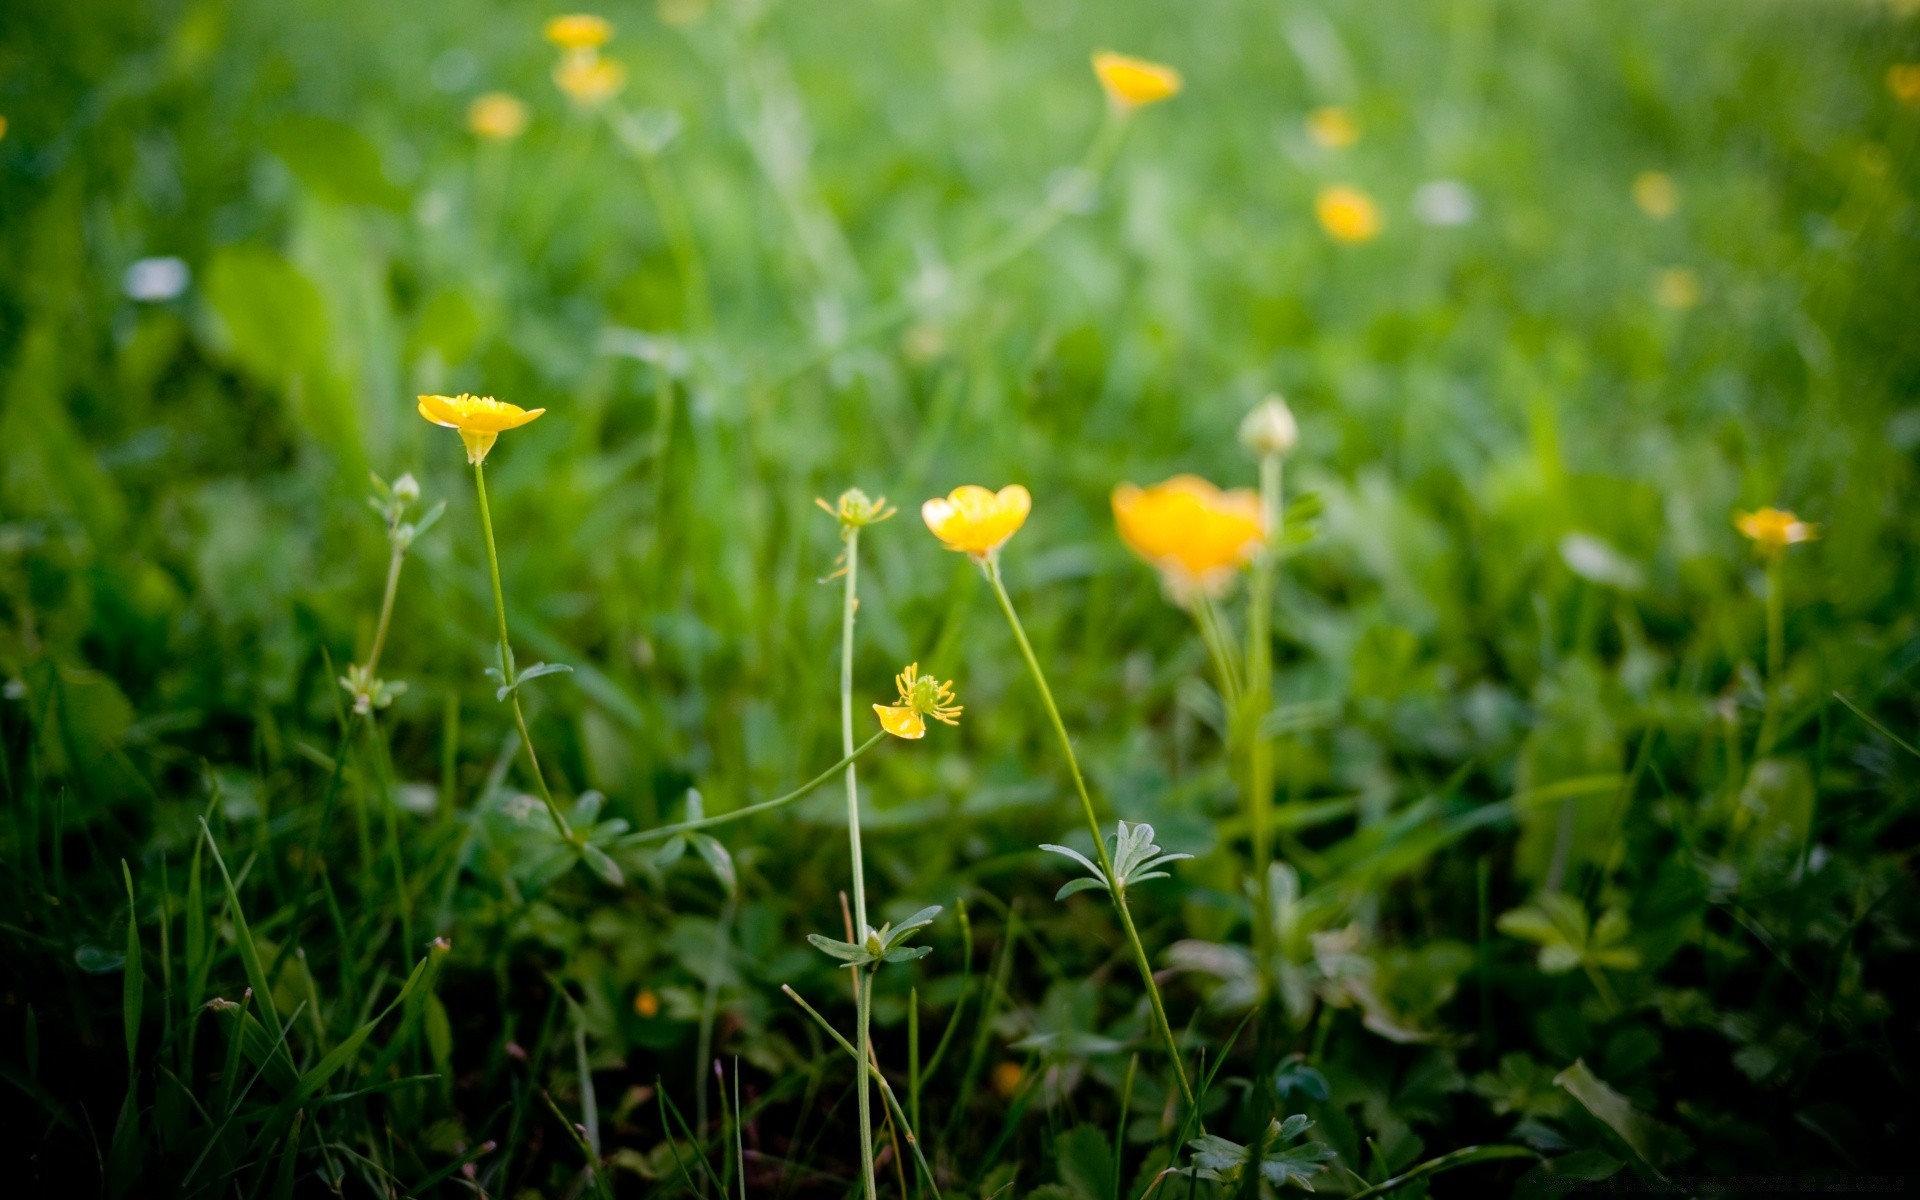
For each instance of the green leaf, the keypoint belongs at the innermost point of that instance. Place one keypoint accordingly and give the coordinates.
(335, 162)
(243, 940)
(844, 951)
(1075, 886)
(601, 864)
(132, 992)
(1652, 1141)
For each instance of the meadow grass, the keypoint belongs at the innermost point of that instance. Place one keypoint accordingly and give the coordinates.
(1526, 824)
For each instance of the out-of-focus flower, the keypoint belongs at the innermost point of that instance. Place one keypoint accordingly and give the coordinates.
(1333, 128)
(1903, 80)
(646, 1005)
(478, 419)
(1656, 194)
(1194, 534)
(1774, 529)
(921, 696)
(1444, 203)
(579, 31)
(1347, 214)
(1134, 82)
(497, 117)
(152, 280)
(856, 509)
(3, 128)
(1676, 288)
(1270, 428)
(588, 79)
(975, 521)
(1007, 1078)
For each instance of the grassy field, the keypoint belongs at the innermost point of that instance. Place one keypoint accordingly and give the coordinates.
(1547, 833)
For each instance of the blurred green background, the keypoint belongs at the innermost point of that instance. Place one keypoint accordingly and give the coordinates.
(1638, 268)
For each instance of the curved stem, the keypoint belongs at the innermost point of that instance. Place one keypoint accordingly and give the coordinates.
(648, 835)
(394, 560)
(506, 657)
(849, 605)
(1140, 960)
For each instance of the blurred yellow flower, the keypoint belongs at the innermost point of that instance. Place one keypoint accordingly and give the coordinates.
(1193, 533)
(1656, 194)
(975, 521)
(579, 31)
(1774, 529)
(1677, 288)
(1903, 80)
(1333, 128)
(646, 1005)
(1347, 214)
(497, 117)
(588, 79)
(478, 419)
(921, 696)
(1134, 82)
(3, 128)
(1007, 1078)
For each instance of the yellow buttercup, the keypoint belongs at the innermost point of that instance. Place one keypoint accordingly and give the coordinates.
(921, 696)
(1774, 529)
(975, 521)
(1132, 82)
(1196, 535)
(478, 419)
(579, 31)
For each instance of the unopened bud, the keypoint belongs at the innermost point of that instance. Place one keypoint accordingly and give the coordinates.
(1270, 428)
(406, 489)
(874, 945)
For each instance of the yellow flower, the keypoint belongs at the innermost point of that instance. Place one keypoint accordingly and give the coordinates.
(1903, 80)
(588, 79)
(1333, 128)
(1134, 82)
(497, 117)
(1347, 214)
(479, 419)
(579, 31)
(1676, 288)
(921, 696)
(1656, 194)
(646, 1005)
(975, 521)
(1193, 533)
(3, 128)
(1774, 529)
(1007, 1078)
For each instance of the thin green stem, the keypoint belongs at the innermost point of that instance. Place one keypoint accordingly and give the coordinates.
(1207, 619)
(850, 604)
(394, 560)
(506, 657)
(1776, 652)
(863, 1051)
(1259, 699)
(1140, 960)
(648, 835)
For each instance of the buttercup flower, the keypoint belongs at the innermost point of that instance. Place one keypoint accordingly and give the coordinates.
(975, 521)
(588, 79)
(1774, 529)
(497, 117)
(1193, 533)
(1333, 128)
(579, 31)
(855, 509)
(1270, 428)
(1134, 82)
(1347, 214)
(478, 419)
(1656, 194)
(646, 1005)
(921, 696)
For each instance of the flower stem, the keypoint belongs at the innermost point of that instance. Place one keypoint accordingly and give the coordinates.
(506, 656)
(1118, 893)
(849, 606)
(1776, 653)
(1259, 698)
(398, 556)
(648, 835)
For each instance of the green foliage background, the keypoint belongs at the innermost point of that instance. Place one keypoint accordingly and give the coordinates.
(1521, 658)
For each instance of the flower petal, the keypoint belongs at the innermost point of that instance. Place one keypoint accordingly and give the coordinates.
(901, 722)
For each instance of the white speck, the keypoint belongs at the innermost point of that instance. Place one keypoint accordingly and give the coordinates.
(155, 279)
(1444, 203)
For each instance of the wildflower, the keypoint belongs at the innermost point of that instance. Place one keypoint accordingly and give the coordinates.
(1676, 288)
(975, 521)
(575, 32)
(1134, 82)
(646, 1005)
(1903, 80)
(1332, 128)
(1774, 529)
(497, 116)
(478, 419)
(1656, 194)
(921, 696)
(1347, 214)
(1270, 428)
(1007, 1078)
(854, 510)
(1193, 533)
(588, 79)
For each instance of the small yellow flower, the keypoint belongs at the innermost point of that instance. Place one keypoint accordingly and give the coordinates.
(588, 79)
(1194, 534)
(646, 1005)
(497, 117)
(1676, 288)
(1007, 1078)
(1333, 128)
(1656, 194)
(1903, 80)
(921, 696)
(1347, 214)
(478, 419)
(975, 521)
(579, 31)
(1774, 529)
(1134, 82)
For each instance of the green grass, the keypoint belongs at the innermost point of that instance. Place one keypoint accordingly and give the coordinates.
(1540, 888)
